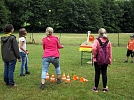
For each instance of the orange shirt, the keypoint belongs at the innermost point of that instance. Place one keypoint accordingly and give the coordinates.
(130, 45)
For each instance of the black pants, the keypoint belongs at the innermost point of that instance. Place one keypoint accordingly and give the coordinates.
(129, 52)
(100, 70)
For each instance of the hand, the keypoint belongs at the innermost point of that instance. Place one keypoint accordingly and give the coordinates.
(63, 46)
(27, 52)
(19, 60)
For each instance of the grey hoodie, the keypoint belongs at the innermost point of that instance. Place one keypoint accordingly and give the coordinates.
(9, 48)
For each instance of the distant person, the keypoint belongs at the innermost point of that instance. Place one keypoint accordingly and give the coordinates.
(23, 52)
(51, 54)
(10, 54)
(130, 49)
(101, 69)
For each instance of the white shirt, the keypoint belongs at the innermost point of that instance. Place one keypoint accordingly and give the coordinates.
(22, 39)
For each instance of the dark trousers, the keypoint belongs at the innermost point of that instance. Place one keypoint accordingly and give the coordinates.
(100, 70)
(9, 68)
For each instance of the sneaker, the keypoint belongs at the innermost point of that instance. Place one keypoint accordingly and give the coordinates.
(95, 89)
(59, 80)
(22, 75)
(131, 62)
(42, 86)
(27, 72)
(125, 61)
(14, 85)
(7, 84)
(105, 89)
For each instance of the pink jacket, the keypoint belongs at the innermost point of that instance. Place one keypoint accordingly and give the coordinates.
(50, 46)
(95, 48)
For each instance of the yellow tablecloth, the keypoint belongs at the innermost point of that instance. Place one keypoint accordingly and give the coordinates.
(85, 49)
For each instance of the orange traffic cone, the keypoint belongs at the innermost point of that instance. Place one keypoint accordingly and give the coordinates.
(68, 78)
(52, 79)
(75, 77)
(63, 76)
(47, 76)
(83, 79)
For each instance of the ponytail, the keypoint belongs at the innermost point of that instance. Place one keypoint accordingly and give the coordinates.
(102, 33)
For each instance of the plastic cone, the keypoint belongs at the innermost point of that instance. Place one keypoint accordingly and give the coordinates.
(83, 79)
(47, 76)
(68, 78)
(75, 77)
(63, 76)
(52, 78)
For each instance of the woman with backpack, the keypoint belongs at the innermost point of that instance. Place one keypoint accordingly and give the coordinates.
(102, 56)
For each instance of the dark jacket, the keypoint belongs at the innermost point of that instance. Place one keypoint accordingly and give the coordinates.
(9, 48)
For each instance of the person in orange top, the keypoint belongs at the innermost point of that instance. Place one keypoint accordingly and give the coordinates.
(130, 49)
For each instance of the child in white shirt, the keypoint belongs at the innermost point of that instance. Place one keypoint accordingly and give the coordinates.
(23, 52)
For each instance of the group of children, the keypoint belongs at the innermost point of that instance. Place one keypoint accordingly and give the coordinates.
(11, 51)
(130, 49)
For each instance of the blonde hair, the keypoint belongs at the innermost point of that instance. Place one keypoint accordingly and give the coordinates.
(49, 31)
(102, 32)
(22, 32)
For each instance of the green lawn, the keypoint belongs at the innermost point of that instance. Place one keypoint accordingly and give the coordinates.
(120, 75)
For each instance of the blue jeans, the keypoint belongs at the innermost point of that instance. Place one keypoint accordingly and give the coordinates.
(45, 64)
(24, 63)
(9, 68)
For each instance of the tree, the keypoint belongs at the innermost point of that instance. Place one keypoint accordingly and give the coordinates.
(94, 15)
(3, 14)
(18, 12)
(39, 14)
(132, 3)
(110, 13)
(69, 15)
(127, 22)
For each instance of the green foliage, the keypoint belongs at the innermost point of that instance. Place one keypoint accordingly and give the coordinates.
(128, 14)
(39, 13)
(69, 15)
(3, 14)
(95, 16)
(132, 2)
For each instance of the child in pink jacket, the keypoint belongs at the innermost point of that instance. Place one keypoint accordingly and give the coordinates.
(51, 55)
(103, 68)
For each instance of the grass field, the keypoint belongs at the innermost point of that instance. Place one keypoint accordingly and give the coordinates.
(120, 75)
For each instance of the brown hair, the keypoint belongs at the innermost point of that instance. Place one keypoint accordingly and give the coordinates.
(8, 28)
(22, 32)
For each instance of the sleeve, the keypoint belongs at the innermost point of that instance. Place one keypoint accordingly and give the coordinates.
(58, 44)
(15, 48)
(43, 44)
(95, 48)
(128, 45)
(133, 46)
(22, 39)
(110, 49)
